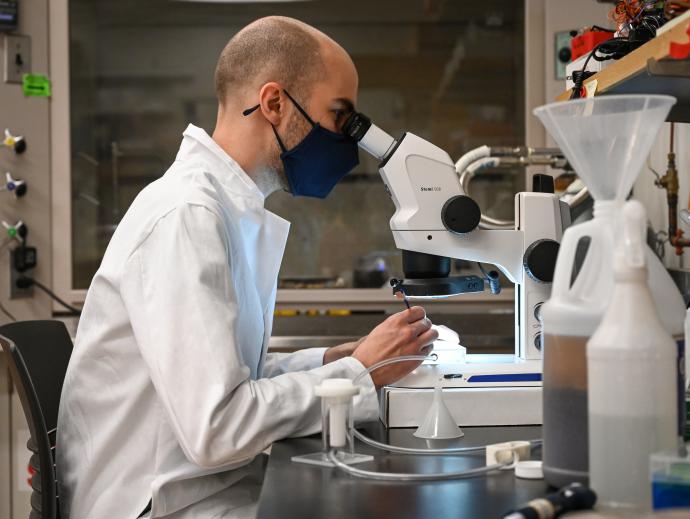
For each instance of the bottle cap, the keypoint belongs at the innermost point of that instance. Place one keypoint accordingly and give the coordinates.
(529, 469)
(336, 387)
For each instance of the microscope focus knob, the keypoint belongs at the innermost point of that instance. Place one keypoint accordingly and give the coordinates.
(461, 214)
(540, 260)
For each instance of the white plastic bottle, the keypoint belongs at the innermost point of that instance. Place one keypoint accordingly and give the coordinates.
(632, 379)
(606, 139)
(570, 317)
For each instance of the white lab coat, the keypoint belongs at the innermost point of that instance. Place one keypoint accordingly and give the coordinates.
(170, 394)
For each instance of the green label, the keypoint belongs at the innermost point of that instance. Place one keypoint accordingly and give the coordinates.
(36, 85)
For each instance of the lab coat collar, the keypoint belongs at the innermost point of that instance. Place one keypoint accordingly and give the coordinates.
(227, 164)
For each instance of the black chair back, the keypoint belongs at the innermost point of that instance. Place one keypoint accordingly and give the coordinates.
(38, 353)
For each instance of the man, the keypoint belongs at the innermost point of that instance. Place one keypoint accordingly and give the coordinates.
(170, 395)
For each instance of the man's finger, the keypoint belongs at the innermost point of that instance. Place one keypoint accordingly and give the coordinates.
(414, 313)
(428, 337)
(421, 326)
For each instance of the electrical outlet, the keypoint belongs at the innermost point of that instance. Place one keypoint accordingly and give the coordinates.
(15, 292)
(17, 57)
(562, 53)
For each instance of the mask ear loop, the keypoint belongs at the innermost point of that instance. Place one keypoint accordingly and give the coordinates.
(253, 109)
(301, 110)
(280, 141)
(250, 111)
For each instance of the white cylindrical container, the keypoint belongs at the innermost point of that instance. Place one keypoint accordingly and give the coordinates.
(632, 379)
(337, 422)
(336, 411)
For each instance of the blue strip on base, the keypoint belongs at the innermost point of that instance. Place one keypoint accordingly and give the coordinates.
(514, 377)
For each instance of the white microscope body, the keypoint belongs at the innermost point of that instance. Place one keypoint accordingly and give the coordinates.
(434, 216)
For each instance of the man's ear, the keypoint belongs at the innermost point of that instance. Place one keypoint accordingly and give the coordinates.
(272, 103)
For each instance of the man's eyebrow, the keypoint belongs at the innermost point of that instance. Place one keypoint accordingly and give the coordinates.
(348, 105)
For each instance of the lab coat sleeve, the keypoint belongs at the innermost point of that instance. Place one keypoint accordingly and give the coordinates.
(178, 291)
(279, 363)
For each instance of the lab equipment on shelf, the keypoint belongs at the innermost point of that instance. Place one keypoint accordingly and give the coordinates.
(632, 378)
(606, 140)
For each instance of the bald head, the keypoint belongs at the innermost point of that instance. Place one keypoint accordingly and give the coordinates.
(274, 48)
(257, 68)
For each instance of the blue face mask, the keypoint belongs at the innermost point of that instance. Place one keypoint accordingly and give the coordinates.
(319, 161)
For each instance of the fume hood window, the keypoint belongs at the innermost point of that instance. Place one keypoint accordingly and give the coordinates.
(451, 72)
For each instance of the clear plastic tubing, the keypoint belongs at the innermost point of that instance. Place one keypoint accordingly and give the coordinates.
(400, 476)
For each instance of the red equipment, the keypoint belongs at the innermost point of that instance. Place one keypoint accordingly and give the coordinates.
(585, 42)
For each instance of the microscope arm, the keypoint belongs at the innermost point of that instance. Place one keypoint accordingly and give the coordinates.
(432, 214)
(435, 219)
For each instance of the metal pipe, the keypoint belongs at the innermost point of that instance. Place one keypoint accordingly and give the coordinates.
(524, 151)
(670, 182)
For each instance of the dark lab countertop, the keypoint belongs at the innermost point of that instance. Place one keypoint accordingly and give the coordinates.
(295, 490)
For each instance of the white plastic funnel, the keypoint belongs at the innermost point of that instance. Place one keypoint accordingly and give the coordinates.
(438, 424)
(606, 139)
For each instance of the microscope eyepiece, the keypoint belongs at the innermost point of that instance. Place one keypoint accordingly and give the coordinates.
(357, 126)
(370, 137)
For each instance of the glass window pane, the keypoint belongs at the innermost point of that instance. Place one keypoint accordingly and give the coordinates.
(451, 72)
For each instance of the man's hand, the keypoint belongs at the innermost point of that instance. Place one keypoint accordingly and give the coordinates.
(405, 333)
(340, 351)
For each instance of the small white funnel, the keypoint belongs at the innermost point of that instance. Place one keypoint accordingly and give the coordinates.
(438, 424)
(606, 139)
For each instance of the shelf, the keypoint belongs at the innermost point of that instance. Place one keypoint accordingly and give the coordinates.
(650, 69)
(376, 299)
